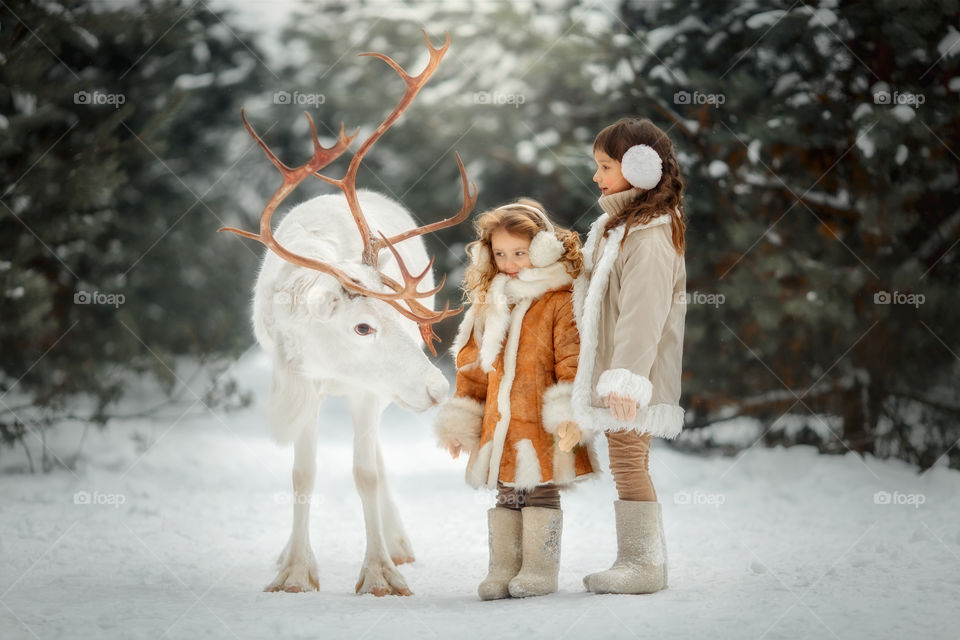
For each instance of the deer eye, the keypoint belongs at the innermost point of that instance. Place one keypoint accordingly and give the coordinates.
(364, 329)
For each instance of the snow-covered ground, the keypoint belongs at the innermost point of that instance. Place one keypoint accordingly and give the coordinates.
(183, 524)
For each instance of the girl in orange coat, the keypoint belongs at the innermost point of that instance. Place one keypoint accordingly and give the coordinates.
(516, 354)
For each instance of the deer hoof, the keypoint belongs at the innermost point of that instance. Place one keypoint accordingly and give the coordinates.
(381, 579)
(401, 552)
(296, 577)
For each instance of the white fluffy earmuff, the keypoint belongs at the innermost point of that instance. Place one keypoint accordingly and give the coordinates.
(641, 166)
(479, 254)
(545, 248)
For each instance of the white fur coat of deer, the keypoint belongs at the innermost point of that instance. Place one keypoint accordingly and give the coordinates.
(340, 316)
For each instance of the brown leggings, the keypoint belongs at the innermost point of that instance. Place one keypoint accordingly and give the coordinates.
(630, 465)
(546, 495)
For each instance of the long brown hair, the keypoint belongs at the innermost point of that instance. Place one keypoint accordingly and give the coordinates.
(666, 197)
(521, 222)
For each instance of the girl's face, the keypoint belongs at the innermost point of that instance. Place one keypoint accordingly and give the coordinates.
(608, 176)
(510, 252)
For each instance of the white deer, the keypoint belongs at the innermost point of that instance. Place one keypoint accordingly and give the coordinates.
(333, 316)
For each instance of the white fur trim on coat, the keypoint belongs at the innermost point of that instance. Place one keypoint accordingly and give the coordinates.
(478, 465)
(460, 419)
(503, 391)
(660, 420)
(556, 406)
(467, 326)
(587, 292)
(625, 383)
(528, 474)
(582, 284)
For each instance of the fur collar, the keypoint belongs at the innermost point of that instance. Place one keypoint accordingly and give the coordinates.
(529, 284)
(490, 325)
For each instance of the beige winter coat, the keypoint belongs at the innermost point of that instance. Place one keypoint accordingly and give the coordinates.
(630, 306)
(515, 372)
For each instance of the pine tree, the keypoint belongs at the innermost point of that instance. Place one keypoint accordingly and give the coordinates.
(824, 204)
(115, 153)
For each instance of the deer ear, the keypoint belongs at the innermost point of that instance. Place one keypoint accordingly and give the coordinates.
(321, 303)
(309, 295)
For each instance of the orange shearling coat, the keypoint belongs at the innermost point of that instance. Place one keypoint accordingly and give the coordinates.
(515, 370)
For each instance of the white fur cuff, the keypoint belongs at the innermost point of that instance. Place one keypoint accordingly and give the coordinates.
(660, 420)
(625, 383)
(557, 407)
(459, 418)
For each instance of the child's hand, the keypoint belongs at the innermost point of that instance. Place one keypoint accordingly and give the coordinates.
(623, 408)
(454, 447)
(570, 434)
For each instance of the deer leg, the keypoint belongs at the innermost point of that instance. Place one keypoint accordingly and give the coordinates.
(379, 574)
(297, 564)
(398, 544)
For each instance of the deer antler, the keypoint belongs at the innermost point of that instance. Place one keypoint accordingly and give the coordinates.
(322, 156)
(348, 184)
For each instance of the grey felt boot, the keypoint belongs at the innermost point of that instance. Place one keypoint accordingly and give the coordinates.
(641, 565)
(542, 529)
(504, 536)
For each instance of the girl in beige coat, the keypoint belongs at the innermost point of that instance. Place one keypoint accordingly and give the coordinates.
(630, 304)
(516, 355)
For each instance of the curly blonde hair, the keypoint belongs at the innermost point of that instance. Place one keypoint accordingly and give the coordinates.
(667, 196)
(520, 221)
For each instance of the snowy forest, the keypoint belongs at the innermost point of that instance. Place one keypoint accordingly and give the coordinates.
(819, 144)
